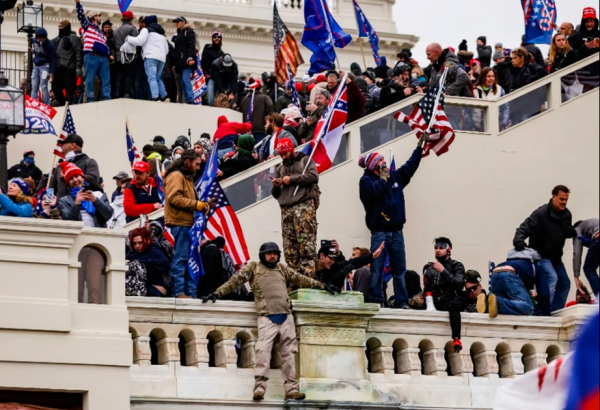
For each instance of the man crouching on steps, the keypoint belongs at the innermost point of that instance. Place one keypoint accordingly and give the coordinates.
(268, 280)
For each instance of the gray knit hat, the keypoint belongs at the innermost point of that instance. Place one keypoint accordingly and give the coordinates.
(498, 55)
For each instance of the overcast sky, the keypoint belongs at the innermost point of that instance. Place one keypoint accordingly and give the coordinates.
(450, 21)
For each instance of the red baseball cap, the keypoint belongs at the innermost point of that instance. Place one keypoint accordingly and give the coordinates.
(589, 13)
(128, 15)
(285, 146)
(141, 166)
(299, 87)
(321, 78)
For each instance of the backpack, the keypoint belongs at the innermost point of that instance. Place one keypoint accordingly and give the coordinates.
(197, 37)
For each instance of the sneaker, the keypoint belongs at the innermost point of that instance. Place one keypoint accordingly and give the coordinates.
(482, 304)
(493, 306)
(457, 345)
(183, 296)
(167, 100)
(259, 396)
(296, 396)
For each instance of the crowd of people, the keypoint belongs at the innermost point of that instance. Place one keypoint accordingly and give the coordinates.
(533, 279)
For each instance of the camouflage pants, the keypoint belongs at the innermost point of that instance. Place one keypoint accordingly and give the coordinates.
(299, 227)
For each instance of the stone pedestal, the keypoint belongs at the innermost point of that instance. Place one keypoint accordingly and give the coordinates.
(332, 364)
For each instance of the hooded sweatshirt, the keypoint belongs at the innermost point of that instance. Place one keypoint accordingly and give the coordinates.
(44, 52)
(485, 53)
(69, 54)
(458, 81)
(580, 37)
(227, 132)
(152, 40)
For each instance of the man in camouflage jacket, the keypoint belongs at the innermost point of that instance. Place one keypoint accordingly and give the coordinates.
(298, 195)
(268, 280)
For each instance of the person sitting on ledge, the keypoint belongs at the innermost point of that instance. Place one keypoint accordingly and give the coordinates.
(474, 294)
(444, 280)
(269, 281)
(16, 202)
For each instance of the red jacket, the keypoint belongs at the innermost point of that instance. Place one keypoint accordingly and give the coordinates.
(134, 208)
(227, 128)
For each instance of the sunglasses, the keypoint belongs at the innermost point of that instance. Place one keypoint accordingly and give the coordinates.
(472, 289)
(440, 248)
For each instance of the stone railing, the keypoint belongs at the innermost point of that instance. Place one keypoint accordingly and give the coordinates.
(349, 352)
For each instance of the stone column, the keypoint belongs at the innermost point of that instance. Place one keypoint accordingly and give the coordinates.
(382, 360)
(142, 354)
(225, 354)
(511, 365)
(434, 363)
(168, 350)
(535, 361)
(249, 355)
(553, 358)
(461, 363)
(409, 361)
(197, 353)
(332, 363)
(486, 364)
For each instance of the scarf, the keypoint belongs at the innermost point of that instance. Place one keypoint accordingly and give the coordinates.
(86, 205)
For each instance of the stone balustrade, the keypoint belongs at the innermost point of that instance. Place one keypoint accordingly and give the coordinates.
(349, 351)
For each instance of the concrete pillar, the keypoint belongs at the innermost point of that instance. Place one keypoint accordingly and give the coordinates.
(511, 365)
(486, 364)
(225, 354)
(249, 355)
(434, 362)
(142, 354)
(535, 361)
(197, 353)
(382, 360)
(461, 363)
(168, 350)
(409, 361)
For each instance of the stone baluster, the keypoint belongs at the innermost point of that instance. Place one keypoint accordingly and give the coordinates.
(486, 364)
(511, 365)
(168, 350)
(382, 360)
(249, 355)
(409, 361)
(434, 362)
(535, 361)
(197, 353)
(553, 358)
(461, 363)
(225, 354)
(142, 354)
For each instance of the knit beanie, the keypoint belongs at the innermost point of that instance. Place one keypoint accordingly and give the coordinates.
(463, 46)
(64, 23)
(498, 54)
(285, 146)
(370, 161)
(70, 171)
(25, 188)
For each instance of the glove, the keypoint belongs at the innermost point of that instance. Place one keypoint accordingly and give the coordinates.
(331, 289)
(385, 174)
(79, 72)
(520, 246)
(424, 140)
(202, 207)
(212, 297)
(571, 233)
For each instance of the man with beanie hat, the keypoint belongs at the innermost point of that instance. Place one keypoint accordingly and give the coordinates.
(269, 280)
(498, 56)
(298, 195)
(122, 85)
(26, 168)
(586, 41)
(382, 195)
(485, 52)
(255, 107)
(474, 297)
(210, 54)
(181, 205)
(44, 63)
(69, 63)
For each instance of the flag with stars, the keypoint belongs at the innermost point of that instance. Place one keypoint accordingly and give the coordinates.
(365, 29)
(292, 86)
(540, 15)
(67, 129)
(132, 152)
(199, 82)
(287, 51)
(330, 130)
(442, 133)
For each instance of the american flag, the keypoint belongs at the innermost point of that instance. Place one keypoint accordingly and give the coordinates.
(132, 151)
(199, 82)
(67, 129)
(160, 184)
(292, 86)
(286, 49)
(254, 86)
(420, 120)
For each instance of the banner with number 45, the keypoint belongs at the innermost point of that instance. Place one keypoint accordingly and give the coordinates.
(38, 117)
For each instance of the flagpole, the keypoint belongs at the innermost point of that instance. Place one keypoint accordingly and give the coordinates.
(54, 159)
(330, 34)
(362, 48)
(438, 98)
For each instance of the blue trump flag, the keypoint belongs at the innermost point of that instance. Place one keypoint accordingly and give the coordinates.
(365, 29)
(195, 268)
(321, 34)
(540, 15)
(124, 5)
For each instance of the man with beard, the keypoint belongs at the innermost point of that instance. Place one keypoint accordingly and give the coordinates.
(210, 54)
(141, 196)
(400, 88)
(587, 40)
(269, 282)
(298, 195)
(315, 111)
(69, 63)
(276, 133)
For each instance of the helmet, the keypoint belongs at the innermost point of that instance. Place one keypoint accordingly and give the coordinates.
(182, 142)
(269, 247)
(400, 69)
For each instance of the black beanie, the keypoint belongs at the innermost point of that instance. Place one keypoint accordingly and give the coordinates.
(463, 46)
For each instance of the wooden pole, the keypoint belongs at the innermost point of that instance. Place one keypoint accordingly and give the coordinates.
(362, 50)
(54, 159)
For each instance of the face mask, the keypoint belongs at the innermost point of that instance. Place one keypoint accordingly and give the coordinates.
(70, 156)
(415, 76)
(176, 157)
(29, 161)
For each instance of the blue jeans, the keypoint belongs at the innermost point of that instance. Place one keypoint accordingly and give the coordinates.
(559, 283)
(97, 66)
(210, 92)
(394, 245)
(182, 282)
(155, 72)
(39, 80)
(186, 85)
(590, 266)
(513, 297)
(154, 293)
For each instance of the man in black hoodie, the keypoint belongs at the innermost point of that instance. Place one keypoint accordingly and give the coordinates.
(210, 54)
(69, 63)
(485, 52)
(586, 40)
(184, 56)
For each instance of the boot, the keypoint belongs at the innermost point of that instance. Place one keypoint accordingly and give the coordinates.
(296, 396)
(183, 296)
(259, 396)
(457, 345)
(430, 303)
(493, 306)
(482, 306)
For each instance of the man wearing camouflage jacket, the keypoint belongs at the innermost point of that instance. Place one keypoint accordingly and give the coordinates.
(268, 280)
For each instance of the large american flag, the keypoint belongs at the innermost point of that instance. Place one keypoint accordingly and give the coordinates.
(286, 49)
(442, 133)
(132, 152)
(222, 221)
(67, 129)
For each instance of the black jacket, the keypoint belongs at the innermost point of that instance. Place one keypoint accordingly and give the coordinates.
(547, 231)
(446, 285)
(225, 78)
(22, 171)
(236, 165)
(69, 52)
(336, 276)
(523, 76)
(536, 52)
(485, 56)
(156, 263)
(70, 211)
(564, 60)
(391, 95)
(504, 75)
(580, 37)
(209, 55)
(185, 48)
